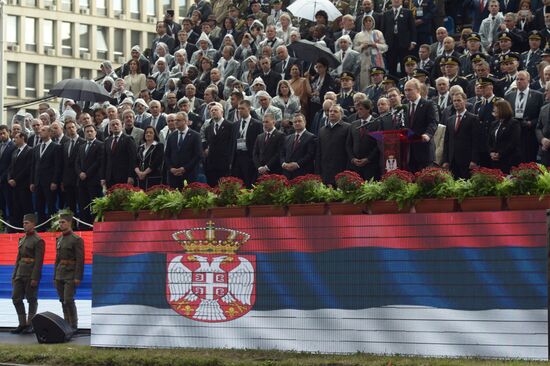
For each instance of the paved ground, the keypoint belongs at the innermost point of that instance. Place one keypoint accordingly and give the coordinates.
(7, 338)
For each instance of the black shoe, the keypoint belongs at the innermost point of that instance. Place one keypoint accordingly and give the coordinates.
(18, 330)
(28, 330)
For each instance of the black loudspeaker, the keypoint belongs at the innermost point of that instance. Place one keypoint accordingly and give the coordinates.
(51, 328)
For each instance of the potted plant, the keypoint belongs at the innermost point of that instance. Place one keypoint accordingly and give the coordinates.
(481, 191)
(397, 193)
(227, 196)
(436, 191)
(115, 205)
(308, 195)
(523, 190)
(198, 198)
(348, 185)
(267, 197)
(167, 203)
(149, 208)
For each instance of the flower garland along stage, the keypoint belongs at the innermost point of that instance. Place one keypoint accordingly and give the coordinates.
(429, 190)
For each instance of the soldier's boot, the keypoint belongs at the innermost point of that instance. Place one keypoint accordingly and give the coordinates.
(66, 314)
(22, 324)
(33, 306)
(74, 316)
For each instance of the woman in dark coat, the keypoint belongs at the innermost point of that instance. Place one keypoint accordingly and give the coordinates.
(149, 160)
(504, 139)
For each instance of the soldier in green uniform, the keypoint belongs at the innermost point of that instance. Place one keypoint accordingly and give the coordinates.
(27, 273)
(69, 268)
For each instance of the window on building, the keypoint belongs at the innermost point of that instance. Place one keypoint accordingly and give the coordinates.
(117, 7)
(66, 39)
(101, 43)
(86, 74)
(119, 42)
(67, 73)
(151, 8)
(84, 31)
(13, 25)
(135, 9)
(12, 80)
(183, 9)
(84, 5)
(101, 7)
(49, 4)
(150, 38)
(166, 4)
(30, 34)
(67, 5)
(48, 34)
(29, 2)
(135, 38)
(49, 77)
(30, 80)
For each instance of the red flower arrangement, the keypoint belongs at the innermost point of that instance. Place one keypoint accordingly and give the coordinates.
(435, 183)
(123, 187)
(310, 188)
(399, 174)
(524, 179)
(270, 189)
(228, 191)
(484, 182)
(348, 181)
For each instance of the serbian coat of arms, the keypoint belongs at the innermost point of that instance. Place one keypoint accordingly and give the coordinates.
(209, 282)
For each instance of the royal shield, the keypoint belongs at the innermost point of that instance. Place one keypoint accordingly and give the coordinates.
(211, 287)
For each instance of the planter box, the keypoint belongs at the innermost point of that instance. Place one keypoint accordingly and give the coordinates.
(491, 203)
(223, 212)
(266, 210)
(150, 215)
(307, 209)
(119, 216)
(387, 207)
(436, 205)
(189, 213)
(528, 203)
(341, 208)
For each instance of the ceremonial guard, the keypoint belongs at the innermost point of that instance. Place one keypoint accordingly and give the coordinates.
(27, 273)
(69, 268)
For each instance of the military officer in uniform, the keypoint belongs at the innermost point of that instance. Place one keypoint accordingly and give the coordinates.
(69, 268)
(27, 273)
(411, 63)
(452, 72)
(422, 76)
(375, 90)
(509, 65)
(530, 59)
(345, 97)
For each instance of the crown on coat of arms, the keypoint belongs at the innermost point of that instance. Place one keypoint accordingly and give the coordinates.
(211, 239)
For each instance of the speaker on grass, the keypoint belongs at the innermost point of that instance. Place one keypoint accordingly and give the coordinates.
(51, 328)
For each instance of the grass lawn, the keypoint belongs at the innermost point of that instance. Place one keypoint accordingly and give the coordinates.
(66, 354)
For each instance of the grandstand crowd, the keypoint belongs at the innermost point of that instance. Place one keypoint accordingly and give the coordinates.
(233, 90)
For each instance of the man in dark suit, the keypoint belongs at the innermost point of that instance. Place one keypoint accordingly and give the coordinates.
(34, 138)
(270, 77)
(119, 157)
(163, 37)
(6, 148)
(183, 153)
(332, 157)
(400, 34)
(422, 119)
(46, 174)
(69, 177)
(267, 149)
(157, 119)
(19, 179)
(245, 133)
(367, 9)
(299, 149)
(362, 148)
(219, 146)
(526, 104)
(57, 135)
(88, 164)
(284, 62)
(462, 139)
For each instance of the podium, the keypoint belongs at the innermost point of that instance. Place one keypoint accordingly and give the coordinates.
(394, 145)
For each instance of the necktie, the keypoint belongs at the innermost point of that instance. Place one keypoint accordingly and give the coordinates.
(18, 152)
(216, 128)
(71, 145)
(343, 55)
(267, 135)
(42, 148)
(441, 99)
(411, 114)
(296, 140)
(88, 145)
(521, 96)
(2, 148)
(362, 129)
(458, 120)
(481, 5)
(115, 142)
(180, 140)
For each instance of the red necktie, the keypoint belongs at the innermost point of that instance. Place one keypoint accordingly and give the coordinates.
(458, 120)
(296, 140)
(481, 5)
(267, 136)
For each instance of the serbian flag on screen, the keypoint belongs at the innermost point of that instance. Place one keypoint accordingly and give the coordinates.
(453, 261)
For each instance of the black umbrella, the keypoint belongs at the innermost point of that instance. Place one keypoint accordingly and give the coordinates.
(312, 51)
(80, 90)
